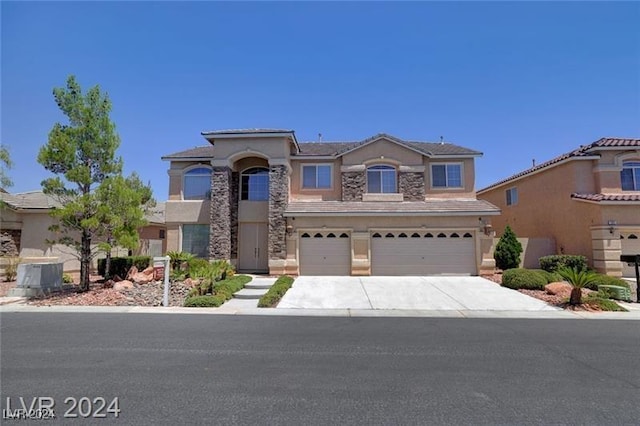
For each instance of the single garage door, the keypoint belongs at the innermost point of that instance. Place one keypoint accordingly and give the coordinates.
(423, 253)
(630, 242)
(325, 253)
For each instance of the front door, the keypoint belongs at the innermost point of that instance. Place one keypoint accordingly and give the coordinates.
(254, 256)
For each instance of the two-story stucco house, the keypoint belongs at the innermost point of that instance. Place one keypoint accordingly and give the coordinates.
(380, 206)
(587, 201)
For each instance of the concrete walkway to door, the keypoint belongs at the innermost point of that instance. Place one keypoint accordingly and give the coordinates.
(437, 293)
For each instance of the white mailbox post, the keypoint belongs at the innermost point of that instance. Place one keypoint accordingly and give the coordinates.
(161, 264)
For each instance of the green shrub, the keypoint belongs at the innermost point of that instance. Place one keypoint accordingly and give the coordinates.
(196, 265)
(204, 301)
(222, 289)
(523, 278)
(551, 277)
(121, 265)
(607, 280)
(275, 293)
(67, 279)
(554, 262)
(179, 258)
(508, 249)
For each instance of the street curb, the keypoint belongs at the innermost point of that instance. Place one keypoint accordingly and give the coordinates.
(359, 313)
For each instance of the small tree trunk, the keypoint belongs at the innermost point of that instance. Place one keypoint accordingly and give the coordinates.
(107, 260)
(576, 296)
(85, 261)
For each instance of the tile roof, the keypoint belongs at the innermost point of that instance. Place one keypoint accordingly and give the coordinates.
(29, 200)
(245, 131)
(606, 197)
(336, 148)
(197, 152)
(583, 151)
(427, 208)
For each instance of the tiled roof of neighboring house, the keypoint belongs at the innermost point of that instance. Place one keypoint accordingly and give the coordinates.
(156, 215)
(245, 131)
(29, 200)
(197, 152)
(606, 197)
(583, 151)
(430, 207)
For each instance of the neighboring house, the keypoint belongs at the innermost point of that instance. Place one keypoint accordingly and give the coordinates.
(380, 206)
(587, 201)
(25, 219)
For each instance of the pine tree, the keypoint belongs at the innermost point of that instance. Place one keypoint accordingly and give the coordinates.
(508, 250)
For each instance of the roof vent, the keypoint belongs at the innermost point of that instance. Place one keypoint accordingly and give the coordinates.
(441, 140)
(534, 162)
(319, 137)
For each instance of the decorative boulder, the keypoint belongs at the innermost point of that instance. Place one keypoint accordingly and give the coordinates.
(123, 285)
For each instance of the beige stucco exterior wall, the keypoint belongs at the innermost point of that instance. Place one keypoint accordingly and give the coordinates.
(9, 219)
(545, 208)
(468, 176)
(152, 232)
(266, 147)
(188, 211)
(385, 151)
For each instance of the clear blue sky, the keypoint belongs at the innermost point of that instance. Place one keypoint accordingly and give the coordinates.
(514, 80)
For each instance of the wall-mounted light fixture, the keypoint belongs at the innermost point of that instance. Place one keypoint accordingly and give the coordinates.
(289, 230)
(612, 224)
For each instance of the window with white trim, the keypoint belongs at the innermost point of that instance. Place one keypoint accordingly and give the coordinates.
(381, 180)
(255, 184)
(446, 175)
(197, 184)
(195, 239)
(630, 176)
(316, 176)
(512, 196)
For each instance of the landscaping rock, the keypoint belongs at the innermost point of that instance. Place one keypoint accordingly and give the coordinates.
(108, 284)
(116, 278)
(561, 289)
(123, 285)
(132, 271)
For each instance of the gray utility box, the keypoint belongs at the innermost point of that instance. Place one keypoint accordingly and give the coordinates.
(37, 278)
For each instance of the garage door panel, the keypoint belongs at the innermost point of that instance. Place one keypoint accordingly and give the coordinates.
(325, 256)
(423, 256)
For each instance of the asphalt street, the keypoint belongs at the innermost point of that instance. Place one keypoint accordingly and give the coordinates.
(206, 369)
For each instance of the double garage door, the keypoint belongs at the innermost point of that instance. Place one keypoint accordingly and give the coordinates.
(423, 253)
(392, 253)
(630, 244)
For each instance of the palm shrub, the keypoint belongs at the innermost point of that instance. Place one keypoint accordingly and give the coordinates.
(578, 278)
(508, 249)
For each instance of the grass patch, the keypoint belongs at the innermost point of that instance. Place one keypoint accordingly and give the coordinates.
(601, 301)
(275, 293)
(216, 294)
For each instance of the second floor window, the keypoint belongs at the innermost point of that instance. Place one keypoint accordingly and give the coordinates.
(381, 180)
(316, 176)
(630, 176)
(255, 184)
(446, 175)
(512, 196)
(197, 184)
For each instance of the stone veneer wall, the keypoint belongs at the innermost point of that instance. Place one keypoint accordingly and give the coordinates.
(220, 220)
(278, 199)
(353, 185)
(411, 185)
(235, 197)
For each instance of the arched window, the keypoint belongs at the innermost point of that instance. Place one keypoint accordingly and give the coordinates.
(630, 176)
(381, 180)
(255, 184)
(197, 184)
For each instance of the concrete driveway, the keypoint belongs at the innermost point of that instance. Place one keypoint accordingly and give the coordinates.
(442, 293)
